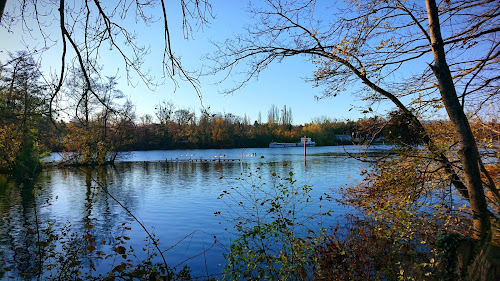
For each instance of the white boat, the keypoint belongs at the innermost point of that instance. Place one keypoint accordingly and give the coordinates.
(306, 140)
(282, 144)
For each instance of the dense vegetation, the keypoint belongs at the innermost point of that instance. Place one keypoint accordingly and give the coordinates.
(97, 131)
(406, 229)
(229, 131)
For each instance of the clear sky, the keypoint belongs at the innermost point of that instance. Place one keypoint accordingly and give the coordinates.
(281, 84)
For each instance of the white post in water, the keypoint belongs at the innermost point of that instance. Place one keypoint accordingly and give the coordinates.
(305, 151)
(242, 150)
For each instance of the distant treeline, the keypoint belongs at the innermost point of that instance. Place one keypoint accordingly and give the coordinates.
(220, 131)
(104, 122)
(228, 131)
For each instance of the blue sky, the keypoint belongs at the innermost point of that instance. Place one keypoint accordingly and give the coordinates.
(281, 84)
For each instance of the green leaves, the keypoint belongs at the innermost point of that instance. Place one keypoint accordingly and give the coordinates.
(272, 242)
(119, 268)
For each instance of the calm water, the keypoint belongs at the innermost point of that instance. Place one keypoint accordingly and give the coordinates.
(174, 199)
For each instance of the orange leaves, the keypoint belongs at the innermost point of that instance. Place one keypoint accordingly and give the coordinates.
(120, 250)
(86, 143)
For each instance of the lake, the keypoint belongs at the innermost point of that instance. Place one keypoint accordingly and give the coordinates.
(174, 194)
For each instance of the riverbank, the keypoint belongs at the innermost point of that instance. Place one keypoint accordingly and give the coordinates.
(244, 154)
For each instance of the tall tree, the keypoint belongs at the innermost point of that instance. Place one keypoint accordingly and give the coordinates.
(273, 115)
(469, 153)
(165, 112)
(98, 128)
(286, 116)
(23, 105)
(87, 29)
(384, 50)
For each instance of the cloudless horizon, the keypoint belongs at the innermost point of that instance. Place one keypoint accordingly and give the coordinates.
(281, 84)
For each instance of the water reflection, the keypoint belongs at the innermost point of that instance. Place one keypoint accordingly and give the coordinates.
(172, 199)
(17, 225)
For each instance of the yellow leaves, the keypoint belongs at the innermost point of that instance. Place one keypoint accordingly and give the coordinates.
(417, 100)
(363, 72)
(87, 143)
(10, 145)
(383, 44)
(312, 129)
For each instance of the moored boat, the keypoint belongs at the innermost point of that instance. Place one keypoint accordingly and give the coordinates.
(306, 140)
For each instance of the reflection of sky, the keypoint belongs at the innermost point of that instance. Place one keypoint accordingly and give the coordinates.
(173, 199)
(237, 154)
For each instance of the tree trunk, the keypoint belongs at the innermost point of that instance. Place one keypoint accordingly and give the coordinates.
(469, 152)
(2, 6)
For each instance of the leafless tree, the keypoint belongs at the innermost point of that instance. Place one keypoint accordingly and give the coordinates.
(273, 115)
(165, 112)
(89, 28)
(419, 56)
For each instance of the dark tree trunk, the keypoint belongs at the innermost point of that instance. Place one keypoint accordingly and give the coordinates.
(469, 152)
(2, 6)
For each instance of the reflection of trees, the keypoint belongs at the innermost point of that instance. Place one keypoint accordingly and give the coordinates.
(100, 212)
(17, 240)
(75, 201)
(91, 215)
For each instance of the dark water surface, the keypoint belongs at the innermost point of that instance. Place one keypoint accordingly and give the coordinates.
(173, 199)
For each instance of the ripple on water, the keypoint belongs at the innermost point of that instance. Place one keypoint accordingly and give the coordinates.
(175, 201)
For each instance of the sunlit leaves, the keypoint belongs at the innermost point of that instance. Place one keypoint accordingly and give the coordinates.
(22, 108)
(10, 144)
(273, 242)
